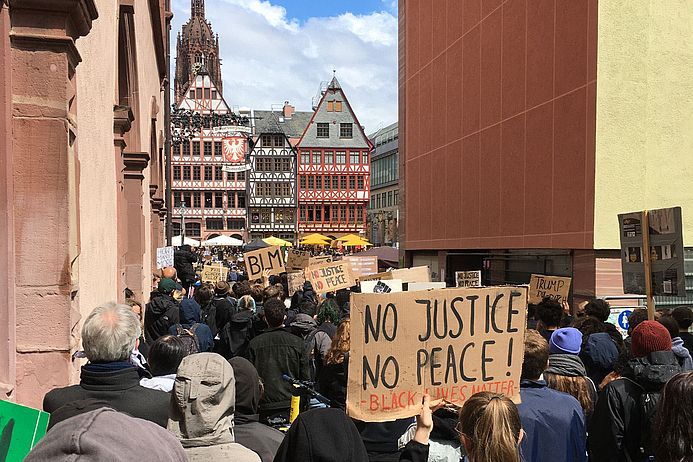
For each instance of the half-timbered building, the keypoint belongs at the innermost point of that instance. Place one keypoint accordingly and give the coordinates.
(333, 167)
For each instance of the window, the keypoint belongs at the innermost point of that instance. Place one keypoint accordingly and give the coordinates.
(305, 158)
(335, 182)
(302, 213)
(329, 158)
(218, 173)
(327, 182)
(235, 223)
(187, 199)
(352, 182)
(176, 172)
(240, 176)
(318, 213)
(302, 181)
(176, 228)
(230, 199)
(318, 182)
(214, 94)
(255, 218)
(196, 148)
(330, 106)
(217, 148)
(396, 199)
(377, 201)
(265, 217)
(186, 172)
(341, 157)
(266, 140)
(208, 200)
(323, 130)
(215, 223)
(279, 216)
(360, 182)
(196, 172)
(176, 150)
(208, 173)
(346, 130)
(285, 164)
(192, 94)
(354, 157)
(389, 199)
(327, 213)
(338, 106)
(208, 148)
(351, 214)
(311, 182)
(229, 176)
(311, 214)
(192, 229)
(207, 93)
(316, 158)
(359, 215)
(286, 189)
(335, 212)
(218, 200)
(186, 148)
(176, 199)
(241, 199)
(196, 199)
(198, 93)
(343, 182)
(365, 157)
(276, 190)
(278, 141)
(342, 213)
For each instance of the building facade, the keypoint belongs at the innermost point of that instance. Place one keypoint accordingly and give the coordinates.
(208, 171)
(333, 168)
(81, 157)
(527, 127)
(272, 187)
(383, 210)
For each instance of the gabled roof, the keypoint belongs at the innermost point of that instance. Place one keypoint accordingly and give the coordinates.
(274, 121)
(309, 138)
(202, 79)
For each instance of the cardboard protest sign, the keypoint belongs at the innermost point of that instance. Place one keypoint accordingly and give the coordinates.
(555, 287)
(21, 428)
(383, 286)
(214, 273)
(295, 280)
(269, 258)
(164, 257)
(468, 278)
(407, 275)
(320, 259)
(377, 276)
(297, 260)
(363, 266)
(449, 343)
(329, 277)
(414, 286)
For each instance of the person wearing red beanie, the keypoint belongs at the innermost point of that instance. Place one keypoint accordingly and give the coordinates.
(631, 400)
(648, 337)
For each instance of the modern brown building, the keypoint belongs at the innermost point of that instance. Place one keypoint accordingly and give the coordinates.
(81, 159)
(527, 126)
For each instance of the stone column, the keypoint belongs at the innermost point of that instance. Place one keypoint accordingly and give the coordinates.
(46, 171)
(135, 163)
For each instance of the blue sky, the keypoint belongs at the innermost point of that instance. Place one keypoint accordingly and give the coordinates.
(280, 50)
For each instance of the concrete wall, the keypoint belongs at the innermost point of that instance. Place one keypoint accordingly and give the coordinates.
(644, 135)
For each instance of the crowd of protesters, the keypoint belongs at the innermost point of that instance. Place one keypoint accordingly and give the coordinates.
(211, 364)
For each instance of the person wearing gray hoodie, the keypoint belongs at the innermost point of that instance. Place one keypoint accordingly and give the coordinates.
(202, 410)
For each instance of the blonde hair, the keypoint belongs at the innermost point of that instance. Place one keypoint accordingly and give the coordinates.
(576, 386)
(341, 343)
(492, 424)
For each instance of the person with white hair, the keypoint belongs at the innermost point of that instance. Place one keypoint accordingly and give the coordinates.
(109, 334)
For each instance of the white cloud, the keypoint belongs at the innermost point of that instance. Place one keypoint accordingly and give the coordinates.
(269, 58)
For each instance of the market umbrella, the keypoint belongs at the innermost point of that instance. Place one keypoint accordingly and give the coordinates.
(347, 237)
(276, 241)
(176, 241)
(255, 244)
(313, 240)
(223, 241)
(357, 242)
(317, 236)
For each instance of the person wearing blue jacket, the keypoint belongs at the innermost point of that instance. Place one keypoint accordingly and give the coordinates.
(554, 422)
(190, 315)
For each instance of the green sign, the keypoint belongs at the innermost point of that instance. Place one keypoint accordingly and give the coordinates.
(21, 428)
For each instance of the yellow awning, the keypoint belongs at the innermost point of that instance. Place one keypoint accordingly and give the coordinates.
(358, 242)
(348, 237)
(313, 240)
(276, 241)
(316, 236)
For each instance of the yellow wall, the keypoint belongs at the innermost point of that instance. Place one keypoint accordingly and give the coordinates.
(644, 136)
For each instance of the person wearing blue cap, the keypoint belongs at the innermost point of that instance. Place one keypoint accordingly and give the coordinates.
(566, 371)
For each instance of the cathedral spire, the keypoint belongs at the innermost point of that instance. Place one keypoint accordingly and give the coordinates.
(197, 8)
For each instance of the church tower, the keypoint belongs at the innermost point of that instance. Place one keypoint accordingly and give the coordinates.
(197, 47)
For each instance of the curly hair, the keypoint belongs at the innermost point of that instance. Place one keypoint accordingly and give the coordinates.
(341, 343)
(329, 311)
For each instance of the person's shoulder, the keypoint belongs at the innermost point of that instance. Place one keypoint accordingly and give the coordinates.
(59, 396)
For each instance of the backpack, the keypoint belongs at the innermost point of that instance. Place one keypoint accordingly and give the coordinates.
(234, 338)
(309, 352)
(189, 338)
(647, 403)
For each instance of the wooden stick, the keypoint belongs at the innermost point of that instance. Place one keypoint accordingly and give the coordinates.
(648, 265)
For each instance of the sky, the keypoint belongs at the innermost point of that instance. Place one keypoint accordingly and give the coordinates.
(281, 50)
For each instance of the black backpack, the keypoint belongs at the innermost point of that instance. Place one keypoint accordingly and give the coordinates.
(309, 351)
(234, 338)
(189, 338)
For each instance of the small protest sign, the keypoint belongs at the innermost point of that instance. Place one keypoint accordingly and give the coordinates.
(363, 266)
(468, 278)
(332, 276)
(295, 280)
(268, 258)
(554, 287)
(449, 343)
(164, 257)
(21, 428)
(415, 274)
(382, 286)
(297, 260)
(414, 286)
(320, 259)
(214, 273)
